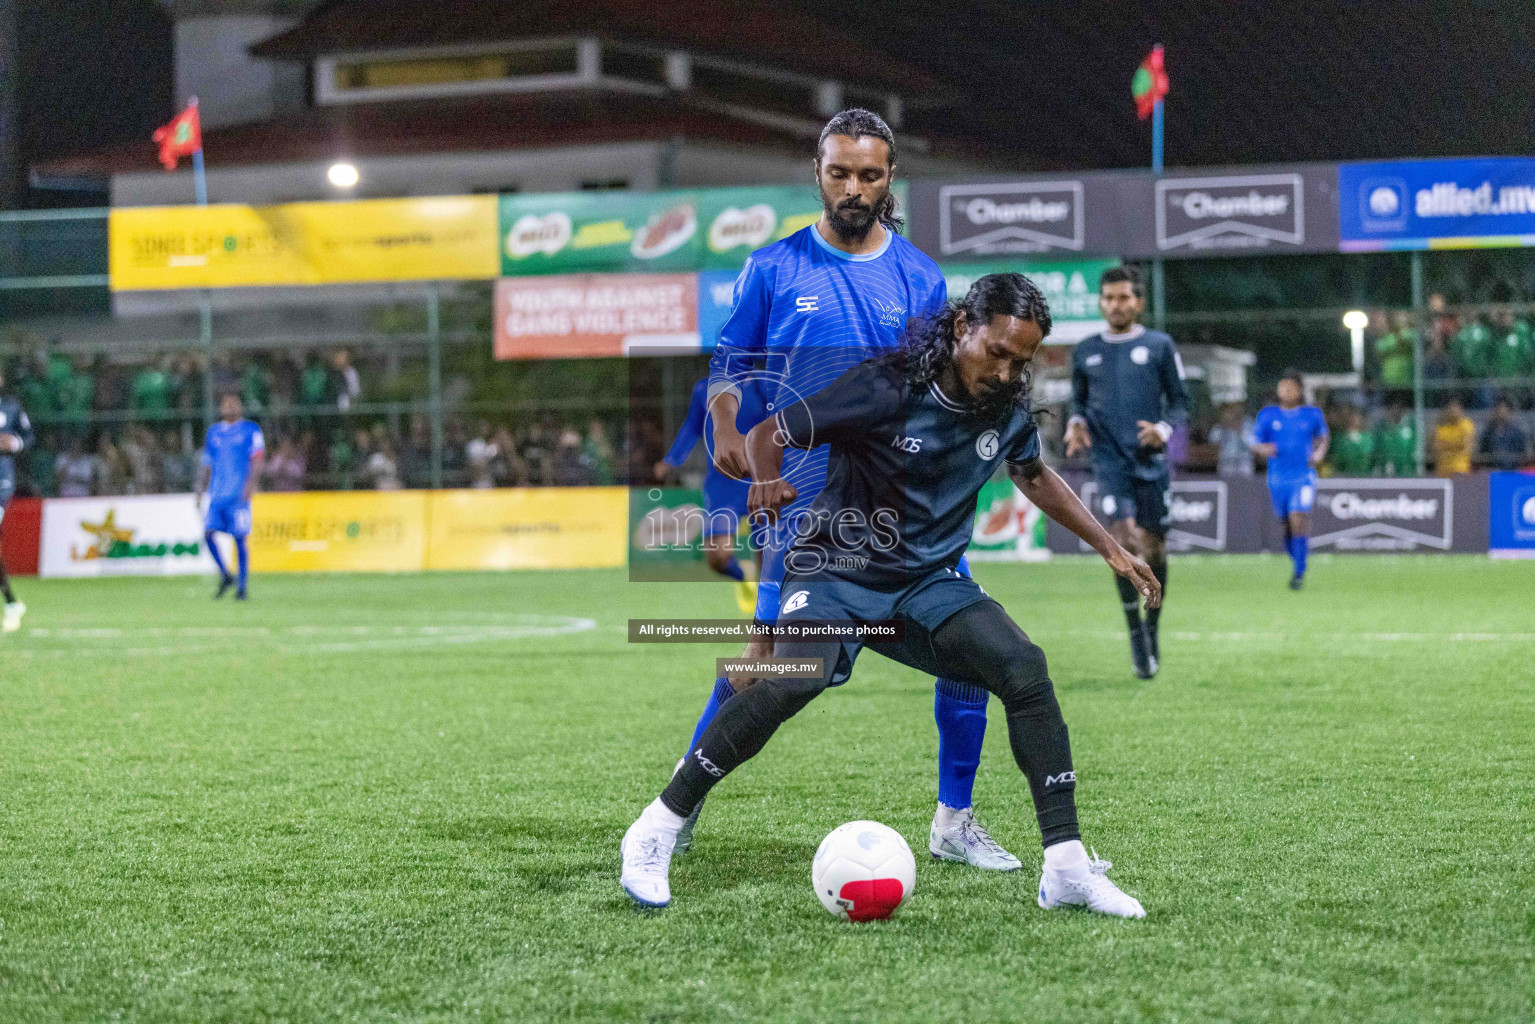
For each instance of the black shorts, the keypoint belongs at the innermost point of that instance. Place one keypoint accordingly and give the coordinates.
(1123, 495)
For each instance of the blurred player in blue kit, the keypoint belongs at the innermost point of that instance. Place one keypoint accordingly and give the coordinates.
(15, 436)
(724, 497)
(1294, 439)
(809, 307)
(232, 456)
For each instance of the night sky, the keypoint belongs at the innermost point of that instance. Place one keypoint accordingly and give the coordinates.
(1251, 82)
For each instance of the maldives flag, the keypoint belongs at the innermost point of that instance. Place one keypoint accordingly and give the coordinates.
(1149, 84)
(182, 137)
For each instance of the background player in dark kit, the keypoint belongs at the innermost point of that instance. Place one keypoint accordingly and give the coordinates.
(913, 436)
(1126, 396)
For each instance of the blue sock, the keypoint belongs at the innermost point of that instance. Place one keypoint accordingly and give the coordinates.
(218, 557)
(722, 693)
(245, 560)
(733, 570)
(1298, 548)
(960, 710)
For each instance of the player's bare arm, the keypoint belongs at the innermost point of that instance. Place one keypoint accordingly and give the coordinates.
(1150, 434)
(729, 444)
(1051, 495)
(1319, 449)
(258, 460)
(769, 491)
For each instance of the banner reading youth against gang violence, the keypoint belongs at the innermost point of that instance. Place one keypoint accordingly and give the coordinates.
(595, 315)
(449, 237)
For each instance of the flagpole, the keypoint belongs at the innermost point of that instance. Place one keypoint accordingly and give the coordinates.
(1158, 280)
(201, 181)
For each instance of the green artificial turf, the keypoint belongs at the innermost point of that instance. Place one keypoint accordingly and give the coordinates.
(379, 798)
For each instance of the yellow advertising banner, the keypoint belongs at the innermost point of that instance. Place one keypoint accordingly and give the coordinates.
(339, 531)
(529, 528)
(226, 246)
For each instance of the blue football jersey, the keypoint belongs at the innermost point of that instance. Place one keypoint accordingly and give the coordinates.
(227, 452)
(1292, 432)
(809, 312)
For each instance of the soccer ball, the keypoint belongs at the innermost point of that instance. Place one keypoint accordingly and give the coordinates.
(863, 871)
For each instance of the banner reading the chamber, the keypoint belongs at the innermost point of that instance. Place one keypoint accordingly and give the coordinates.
(448, 237)
(595, 315)
(339, 531)
(1070, 286)
(151, 535)
(530, 528)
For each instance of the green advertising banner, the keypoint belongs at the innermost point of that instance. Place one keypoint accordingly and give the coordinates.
(1070, 286)
(593, 232)
(734, 221)
(619, 232)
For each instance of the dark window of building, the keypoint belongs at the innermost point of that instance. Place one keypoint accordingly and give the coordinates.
(751, 91)
(634, 65)
(555, 59)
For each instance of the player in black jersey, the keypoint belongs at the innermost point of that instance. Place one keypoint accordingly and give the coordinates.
(912, 437)
(1127, 395)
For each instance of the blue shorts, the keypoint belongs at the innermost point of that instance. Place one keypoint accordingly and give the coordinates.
(922, 606)
(1293, 495)
(233, 518)
(724, 503)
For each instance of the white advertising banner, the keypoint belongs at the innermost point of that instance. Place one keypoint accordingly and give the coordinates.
(148, 535)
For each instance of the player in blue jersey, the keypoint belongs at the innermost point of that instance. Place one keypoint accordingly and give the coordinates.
(724, 498)
(232, 458)
(15, 436)
(808, 307)
(1293, 437)
(1127, 395)
(913, 436)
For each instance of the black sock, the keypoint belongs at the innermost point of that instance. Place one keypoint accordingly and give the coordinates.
(984, 645)
(1131, 599)
(742, 727)
(5, 587)
(1154, 615)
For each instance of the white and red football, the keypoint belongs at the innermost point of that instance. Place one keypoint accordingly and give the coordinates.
(863, 871)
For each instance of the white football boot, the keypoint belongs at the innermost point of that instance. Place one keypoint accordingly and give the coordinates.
(1086, 884)
(13, 613)
(956, 835)
(647, 853)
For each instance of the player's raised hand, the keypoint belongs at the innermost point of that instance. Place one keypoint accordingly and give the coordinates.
(1137, 572)
(1146, 433)
(765, 499)
(1077, 438)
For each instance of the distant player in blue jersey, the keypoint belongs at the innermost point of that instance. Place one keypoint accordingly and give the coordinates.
(15, 436)
(1293, 437)
(809, 307)
(232, 458)
(1127, 395)
(724, 498)
(913, 435)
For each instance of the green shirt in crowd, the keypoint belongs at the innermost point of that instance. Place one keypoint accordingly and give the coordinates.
(1470, 348)
(1353, 454)
(1514, 354)
(311, 386)
(1395, 352)
(1396, 448)
(151, 391)
(76, 395)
